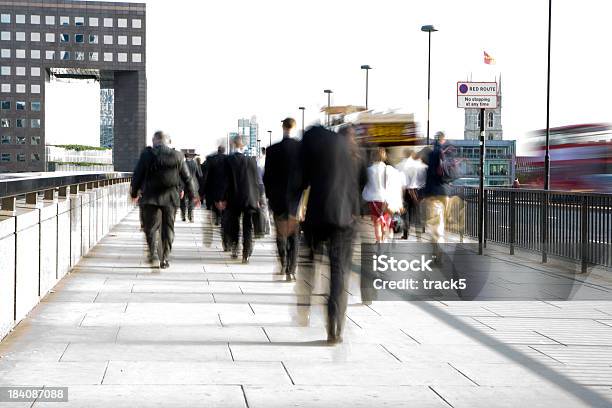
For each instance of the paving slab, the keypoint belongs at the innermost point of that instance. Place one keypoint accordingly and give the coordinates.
(210, 331)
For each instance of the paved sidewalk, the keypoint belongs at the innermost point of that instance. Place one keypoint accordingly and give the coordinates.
(212, 332)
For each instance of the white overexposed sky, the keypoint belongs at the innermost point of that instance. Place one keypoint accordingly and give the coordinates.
(210, 63)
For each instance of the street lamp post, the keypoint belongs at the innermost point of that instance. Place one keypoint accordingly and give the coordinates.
(367, 70)
(428, 29)
(547, 155)
(302, 108)
(270, 134)
(544, 226)
(328, 92)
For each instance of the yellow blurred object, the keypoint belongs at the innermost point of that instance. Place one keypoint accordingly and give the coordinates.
(301, 213)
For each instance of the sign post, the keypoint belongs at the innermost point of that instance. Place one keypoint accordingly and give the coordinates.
(479, 95)
(481, 213)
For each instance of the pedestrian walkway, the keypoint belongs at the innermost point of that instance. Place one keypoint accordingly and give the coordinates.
(212, 332)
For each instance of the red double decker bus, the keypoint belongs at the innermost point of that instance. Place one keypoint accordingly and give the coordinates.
(580, 158)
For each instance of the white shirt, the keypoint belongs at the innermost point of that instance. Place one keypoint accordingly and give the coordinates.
(415, 172)
(377, 190)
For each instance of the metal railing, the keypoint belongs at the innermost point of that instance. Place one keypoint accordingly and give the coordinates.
(572, 225)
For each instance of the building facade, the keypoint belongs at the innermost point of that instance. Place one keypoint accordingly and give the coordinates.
(44, 39)
(248, 129)
(500, 155)
(493, 120)
(107, 117)
(69, 158)
(499, 166)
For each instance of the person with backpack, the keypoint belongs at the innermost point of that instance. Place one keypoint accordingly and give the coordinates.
(436, 190)
(159, 176)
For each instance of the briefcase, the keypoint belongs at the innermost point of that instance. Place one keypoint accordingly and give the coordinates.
(259, 223)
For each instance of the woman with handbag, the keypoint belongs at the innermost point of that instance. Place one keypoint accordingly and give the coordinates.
(379, 193)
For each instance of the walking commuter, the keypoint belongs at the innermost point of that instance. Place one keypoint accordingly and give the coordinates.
(158, 175)
(263, 200)
(327, 167)
(214, 177)
(186, 204)
(415, 173)
(381, 195)
(213, 189)
(282, 191)
(240, 199)
(436, 190)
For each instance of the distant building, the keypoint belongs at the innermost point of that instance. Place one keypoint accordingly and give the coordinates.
(500, 155)
(248, 129)
(230, 136)
(47, 40)
(499, 168)
(493, 122)
(78, 158)
(107, 117)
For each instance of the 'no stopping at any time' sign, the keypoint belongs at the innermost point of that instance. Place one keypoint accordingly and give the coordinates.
(479, 95)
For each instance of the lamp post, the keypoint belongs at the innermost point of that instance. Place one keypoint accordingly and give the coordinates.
(302, 108)
(367, 70)
(428, 29)
(328, 92)
(270, 134)
(547, 155)
(544, 226)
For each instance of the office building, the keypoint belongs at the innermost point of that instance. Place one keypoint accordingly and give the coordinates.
(46, 39)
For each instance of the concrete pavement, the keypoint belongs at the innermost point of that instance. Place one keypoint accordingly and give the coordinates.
(210, 331)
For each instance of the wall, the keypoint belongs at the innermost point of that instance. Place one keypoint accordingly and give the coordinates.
(41, 243)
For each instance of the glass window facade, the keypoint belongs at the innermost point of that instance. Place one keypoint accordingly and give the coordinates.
(93, 35)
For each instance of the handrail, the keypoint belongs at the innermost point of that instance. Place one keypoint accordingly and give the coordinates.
(556, 192)
(16, 184)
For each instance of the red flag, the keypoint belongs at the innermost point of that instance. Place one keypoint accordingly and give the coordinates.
(489, 60)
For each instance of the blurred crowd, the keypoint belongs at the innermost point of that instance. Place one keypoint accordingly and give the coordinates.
(314, 192)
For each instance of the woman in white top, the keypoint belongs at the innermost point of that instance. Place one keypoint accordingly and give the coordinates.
(383, 192)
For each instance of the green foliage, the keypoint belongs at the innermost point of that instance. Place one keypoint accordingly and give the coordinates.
(84, 164)
(80, 148)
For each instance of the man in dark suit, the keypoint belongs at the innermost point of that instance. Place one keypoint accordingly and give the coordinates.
(282, 191)
(186, 203)
(330, 169)
(213, 174)
(158, 176)
(241, 198)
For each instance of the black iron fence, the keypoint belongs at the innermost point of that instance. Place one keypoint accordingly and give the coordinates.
(572, 225)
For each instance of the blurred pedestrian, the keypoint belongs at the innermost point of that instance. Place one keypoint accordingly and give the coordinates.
(213, 189)
(240, 199)
(158, 175)
(516, 183)
(415, 173)
(327, 167)
(186, 204)
(284, 195)
(436, 189)
(383, 193)
(263, 199)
